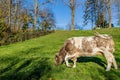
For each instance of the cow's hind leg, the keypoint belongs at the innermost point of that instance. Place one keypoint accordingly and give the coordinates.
(114, 63)
(110, 59)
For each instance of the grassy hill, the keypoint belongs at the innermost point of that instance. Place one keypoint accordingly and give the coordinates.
(34, 59)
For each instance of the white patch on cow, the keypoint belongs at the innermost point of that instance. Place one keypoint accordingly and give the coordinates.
(104, 35)
(89, 38)
(107, 47)
(78, 42)
(95, 50)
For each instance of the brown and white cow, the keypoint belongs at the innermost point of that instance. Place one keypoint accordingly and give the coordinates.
(87, 46)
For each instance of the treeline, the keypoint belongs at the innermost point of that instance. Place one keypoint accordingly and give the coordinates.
(24, 19)
(100, 13)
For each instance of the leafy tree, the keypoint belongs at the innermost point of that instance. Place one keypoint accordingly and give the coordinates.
(17, 20)
(47, 19)
(101, 22)
(26, 19)
(96, 12)
(36, 8)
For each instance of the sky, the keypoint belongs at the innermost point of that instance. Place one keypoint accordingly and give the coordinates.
(62, 14)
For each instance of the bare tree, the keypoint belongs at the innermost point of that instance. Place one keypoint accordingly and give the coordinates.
(93, 9)
(72, 4)
(18, 11)
(36, 8)
(10, 2)
(118, 10)
(35, 12)
(108, 4)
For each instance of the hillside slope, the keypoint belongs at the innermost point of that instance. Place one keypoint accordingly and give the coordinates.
(34, 59)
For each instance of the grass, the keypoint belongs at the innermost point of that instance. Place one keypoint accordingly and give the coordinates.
(34, 59)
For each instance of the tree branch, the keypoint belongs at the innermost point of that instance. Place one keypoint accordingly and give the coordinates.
(43, 3)
(66, 3)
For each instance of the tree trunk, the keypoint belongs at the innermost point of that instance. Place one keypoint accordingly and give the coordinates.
(110, 17)
(73, 19)
(119, 15)
(15, 19)
(35, 13)
(9, 25)
(18, 15)
(109, 13)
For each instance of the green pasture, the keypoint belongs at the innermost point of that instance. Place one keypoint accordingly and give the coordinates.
(34, 59)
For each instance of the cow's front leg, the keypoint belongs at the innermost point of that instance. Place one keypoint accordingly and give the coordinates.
(66, 61)
(74, 62)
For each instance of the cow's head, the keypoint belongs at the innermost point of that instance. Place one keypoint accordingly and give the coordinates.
(58, 59)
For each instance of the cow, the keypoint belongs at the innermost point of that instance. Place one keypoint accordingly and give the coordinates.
(75, 47)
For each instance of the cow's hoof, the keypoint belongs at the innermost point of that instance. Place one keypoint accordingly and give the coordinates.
(74, 67)
(69, 66)
(107, 69)
(116, 67)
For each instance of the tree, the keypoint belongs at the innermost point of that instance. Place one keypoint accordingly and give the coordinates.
(35, 13)
(108, 3)
(47, 19)
(118, 10)
(101, 22)
(10, 2)
(18, 13)
(36, 9)
(25, 19)
(72, 4)
(94, 12)
(17, 20)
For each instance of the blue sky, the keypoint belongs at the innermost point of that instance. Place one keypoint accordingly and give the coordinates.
(62, 14)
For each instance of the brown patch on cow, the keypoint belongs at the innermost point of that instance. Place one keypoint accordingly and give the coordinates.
(70, 47)
(100, 41)
(62, 52)
(111, 45)
(73, 59)
(86, 45)
(104, 42)
(58, 59)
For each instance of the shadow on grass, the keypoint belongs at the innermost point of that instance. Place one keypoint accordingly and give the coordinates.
(38, 69)
(110, 75)
(22, 68)
(27, 70)
(113, 74)
(7, 68)
(92, 59)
